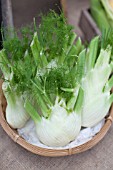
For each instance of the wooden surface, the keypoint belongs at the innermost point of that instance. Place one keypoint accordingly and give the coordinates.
(7, 13)
(74, 8)
(64, 6)
(0, 32)
(88, 26)
(25, 10)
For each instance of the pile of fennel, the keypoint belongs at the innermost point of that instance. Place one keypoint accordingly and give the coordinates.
(51, 79)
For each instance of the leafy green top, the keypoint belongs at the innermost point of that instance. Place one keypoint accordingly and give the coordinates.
(54, 34)
(29, 57)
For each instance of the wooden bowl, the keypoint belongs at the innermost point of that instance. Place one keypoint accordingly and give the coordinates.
(50, 152)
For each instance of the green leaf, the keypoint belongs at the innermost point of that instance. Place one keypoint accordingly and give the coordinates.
(92, 53)
(32, 112)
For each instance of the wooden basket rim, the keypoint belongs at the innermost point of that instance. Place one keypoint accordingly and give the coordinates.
(54, 152)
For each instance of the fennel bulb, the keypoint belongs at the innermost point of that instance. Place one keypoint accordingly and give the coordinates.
(57, 119)
(96, 101)
(58, 122)
(16, 115)
(60, 128)
(97, 85)
(16, 66)
(59, 132)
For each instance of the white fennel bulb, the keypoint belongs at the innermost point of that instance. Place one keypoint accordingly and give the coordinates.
(60, 129)
(16, 115)
(97, 85)
(96, 102)
(61, 126)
